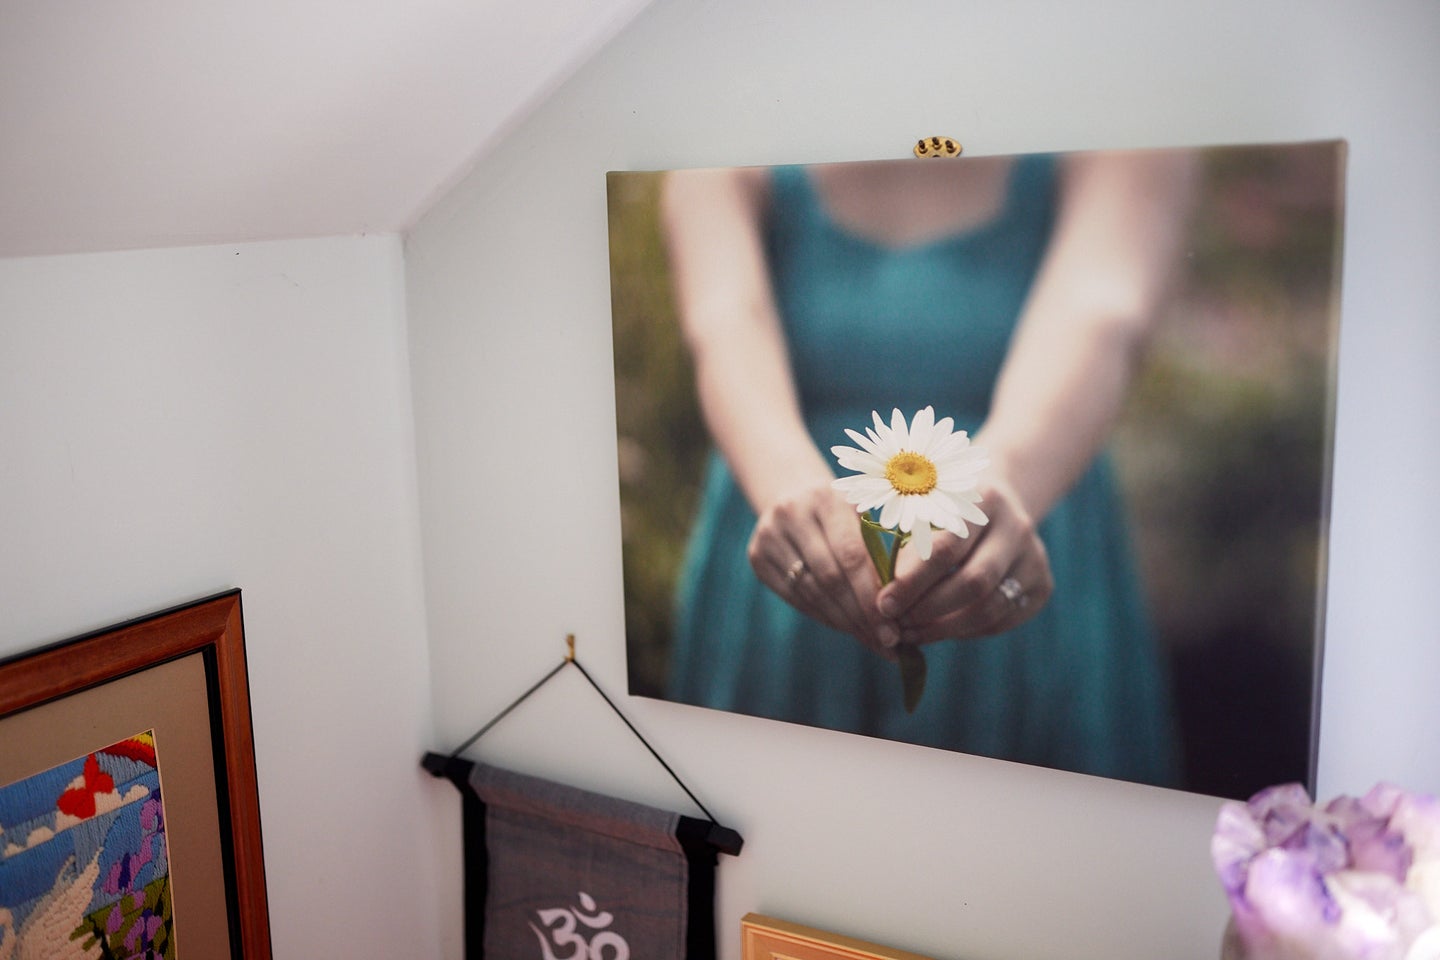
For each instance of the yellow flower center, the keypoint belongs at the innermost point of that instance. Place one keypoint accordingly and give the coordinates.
(911, 473)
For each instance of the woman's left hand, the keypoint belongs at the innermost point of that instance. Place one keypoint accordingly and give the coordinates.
(989, 582)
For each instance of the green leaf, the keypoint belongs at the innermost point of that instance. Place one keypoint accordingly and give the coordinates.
(879, 555)
(912, 676)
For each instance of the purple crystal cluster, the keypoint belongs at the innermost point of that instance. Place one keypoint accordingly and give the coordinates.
(1357, 879)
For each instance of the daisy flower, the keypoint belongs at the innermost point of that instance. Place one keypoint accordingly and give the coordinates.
(921, 477)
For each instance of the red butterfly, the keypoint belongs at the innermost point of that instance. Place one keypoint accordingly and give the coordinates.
(79, 801)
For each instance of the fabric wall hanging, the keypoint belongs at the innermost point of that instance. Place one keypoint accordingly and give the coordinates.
(558, 873)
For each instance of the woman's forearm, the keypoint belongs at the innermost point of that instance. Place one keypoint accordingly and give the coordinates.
(806, 544)
(742, 367)
(754, 418)
(1086, 321)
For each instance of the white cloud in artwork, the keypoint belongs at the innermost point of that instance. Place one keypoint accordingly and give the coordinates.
(104, 803)
(38, 836)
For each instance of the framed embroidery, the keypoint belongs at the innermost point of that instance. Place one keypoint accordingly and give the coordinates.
(129, 818)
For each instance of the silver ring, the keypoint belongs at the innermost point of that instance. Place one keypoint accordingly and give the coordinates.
(796, 568)
(1011, 590)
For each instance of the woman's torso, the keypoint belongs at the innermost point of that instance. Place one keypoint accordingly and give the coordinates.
(875, 325)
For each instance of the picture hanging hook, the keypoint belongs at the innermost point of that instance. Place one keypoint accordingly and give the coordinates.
(722, 838)
(938, 147)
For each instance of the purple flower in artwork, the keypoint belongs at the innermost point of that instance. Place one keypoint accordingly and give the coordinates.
(142, 932)
(121, 875)
(124, 875)
(152, 815)
(1358, 878)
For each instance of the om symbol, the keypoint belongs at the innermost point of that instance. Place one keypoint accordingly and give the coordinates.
(561, 923)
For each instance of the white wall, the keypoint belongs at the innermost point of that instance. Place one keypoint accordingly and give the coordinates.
(176, 422)
(510, 339)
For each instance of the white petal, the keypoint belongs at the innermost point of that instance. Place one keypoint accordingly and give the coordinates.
(950, 446)
(884, 436)
(890, 512)
(941, 433)
(876, 499)
(956, 451)
(907, 513)
(920, 540)
(979, 459)
(957, 509)
(921, 429)
(940, 508)
(852, 459)
(867, 444)
(851, 491)
(855, 488)
(967, 467)
(954, 523)
(972, 513)
(956, 485)
(898, 428)
(970, 455)
(871, 494)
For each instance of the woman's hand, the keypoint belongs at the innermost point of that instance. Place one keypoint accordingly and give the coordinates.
(807, 547)
(978, 586)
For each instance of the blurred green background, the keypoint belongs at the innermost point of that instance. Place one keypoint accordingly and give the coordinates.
(662, 441)
(1222, 451)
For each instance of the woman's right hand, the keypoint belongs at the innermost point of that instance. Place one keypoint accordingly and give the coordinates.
(991, 581)
(807, 548)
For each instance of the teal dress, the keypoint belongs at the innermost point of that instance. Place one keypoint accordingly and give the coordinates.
(870, 327)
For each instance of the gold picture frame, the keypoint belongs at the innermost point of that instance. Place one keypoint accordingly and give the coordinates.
(765, 938)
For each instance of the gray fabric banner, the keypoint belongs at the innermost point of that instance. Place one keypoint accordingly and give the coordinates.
(574, 875)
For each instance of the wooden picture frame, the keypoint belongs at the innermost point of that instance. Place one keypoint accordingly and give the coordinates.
(765, 938)
(179, 678)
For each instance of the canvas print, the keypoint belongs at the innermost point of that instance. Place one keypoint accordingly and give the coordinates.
(1018, 456)
(84, 869)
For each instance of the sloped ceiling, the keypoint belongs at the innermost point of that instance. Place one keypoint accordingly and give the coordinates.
(141, 123)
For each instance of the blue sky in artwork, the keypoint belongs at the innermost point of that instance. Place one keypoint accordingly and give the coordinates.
(124, 838)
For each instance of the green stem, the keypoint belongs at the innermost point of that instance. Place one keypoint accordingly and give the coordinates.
(912, 676)
(911, 659)
(875, 545)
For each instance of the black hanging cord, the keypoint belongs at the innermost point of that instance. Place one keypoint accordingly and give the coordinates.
(658, 759)
(723, 838)
(506, 712)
